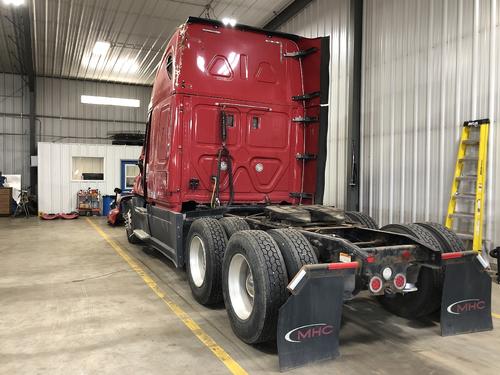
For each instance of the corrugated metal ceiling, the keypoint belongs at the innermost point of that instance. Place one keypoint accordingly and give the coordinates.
(9, 54)
(64, 33)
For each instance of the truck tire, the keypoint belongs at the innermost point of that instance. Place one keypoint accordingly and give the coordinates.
(205, 246)
(361, 218)
(254, 281)
(295, 249)
(427, 298)
(127, 218)
(449, 241)
(233, 224)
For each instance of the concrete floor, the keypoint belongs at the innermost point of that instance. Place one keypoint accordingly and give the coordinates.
(70, 304)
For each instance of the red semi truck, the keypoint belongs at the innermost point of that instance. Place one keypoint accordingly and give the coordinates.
(231, 186)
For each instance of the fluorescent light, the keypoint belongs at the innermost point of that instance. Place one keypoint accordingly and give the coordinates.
(229, 21)
(100, 48)
(15, 3)
(103, 100)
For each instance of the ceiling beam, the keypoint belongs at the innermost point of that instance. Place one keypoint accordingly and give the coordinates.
(295, 7)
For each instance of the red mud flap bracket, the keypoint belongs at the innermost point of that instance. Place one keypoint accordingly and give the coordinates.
(466, 300)
(309, 321)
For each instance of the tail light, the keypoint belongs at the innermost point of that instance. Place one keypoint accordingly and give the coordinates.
(399, 281)
(376, 284)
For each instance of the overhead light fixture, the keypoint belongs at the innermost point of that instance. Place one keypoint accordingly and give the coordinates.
(15, 3)
(229, 21)
(100, 48)
(104, 100)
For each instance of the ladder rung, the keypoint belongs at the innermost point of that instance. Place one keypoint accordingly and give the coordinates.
(470, 142)
(462, 215)
(465, 236)
(467, 178)
(465, 196)
(469, 158)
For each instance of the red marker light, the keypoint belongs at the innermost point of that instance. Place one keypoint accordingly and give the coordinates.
(376, 284)
(451, 255)
(370, 259)
(342, 266)
(399, 281)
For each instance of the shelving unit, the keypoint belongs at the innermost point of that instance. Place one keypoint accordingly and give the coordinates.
(89, 202)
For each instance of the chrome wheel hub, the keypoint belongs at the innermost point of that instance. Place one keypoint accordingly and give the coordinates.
(197, 261)
(241, 287)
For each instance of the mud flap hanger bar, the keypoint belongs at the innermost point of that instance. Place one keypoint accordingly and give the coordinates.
(466, 299)
(309, 321)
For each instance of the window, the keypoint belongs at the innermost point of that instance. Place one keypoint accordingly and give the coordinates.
(170, 65)
(129, 171)
(87, 168)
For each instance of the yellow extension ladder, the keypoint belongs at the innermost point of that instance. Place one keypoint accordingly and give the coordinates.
(474, 137)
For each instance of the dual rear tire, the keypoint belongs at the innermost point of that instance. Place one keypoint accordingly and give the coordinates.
(249, 272)
(205, 246)
(427, 298)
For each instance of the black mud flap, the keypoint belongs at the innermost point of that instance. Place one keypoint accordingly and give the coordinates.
(466, 300)
(309, 321)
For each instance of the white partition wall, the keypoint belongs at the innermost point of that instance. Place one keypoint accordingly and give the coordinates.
(57, 184)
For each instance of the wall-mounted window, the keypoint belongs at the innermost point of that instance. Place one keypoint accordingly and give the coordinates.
(170, 65)
(86, 168)
(129, 171)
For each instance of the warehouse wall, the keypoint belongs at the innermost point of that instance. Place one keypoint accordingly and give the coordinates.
(57, 190)
(14, 136)
(427, 67)
(64, 119)
(61, 117)
(332, 18)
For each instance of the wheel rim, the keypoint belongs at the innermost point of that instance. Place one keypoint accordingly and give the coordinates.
(241, 287)
(197, 261)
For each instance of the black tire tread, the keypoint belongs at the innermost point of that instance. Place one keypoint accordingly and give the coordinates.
(295, 248)
(406, 305)
(448, 239)
(417, 231)
(130, 232)
(361, 218)
(213, 230)
(274, 270)
(233, 224)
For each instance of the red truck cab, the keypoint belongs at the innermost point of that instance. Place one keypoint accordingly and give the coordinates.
(229, 122)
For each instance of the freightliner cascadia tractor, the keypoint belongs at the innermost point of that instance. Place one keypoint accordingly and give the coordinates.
(231, 186)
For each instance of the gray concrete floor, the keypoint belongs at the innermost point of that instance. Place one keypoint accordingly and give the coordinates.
(69, 304)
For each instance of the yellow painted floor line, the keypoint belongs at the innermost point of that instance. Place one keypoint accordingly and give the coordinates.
(495, 315)
(220, 353)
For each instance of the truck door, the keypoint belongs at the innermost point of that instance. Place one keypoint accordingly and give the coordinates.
(159, 152)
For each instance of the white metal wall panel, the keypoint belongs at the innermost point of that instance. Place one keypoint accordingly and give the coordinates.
(14, 129)
(427, 67)
(56, 189)
(71, 121)
(332, 18)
